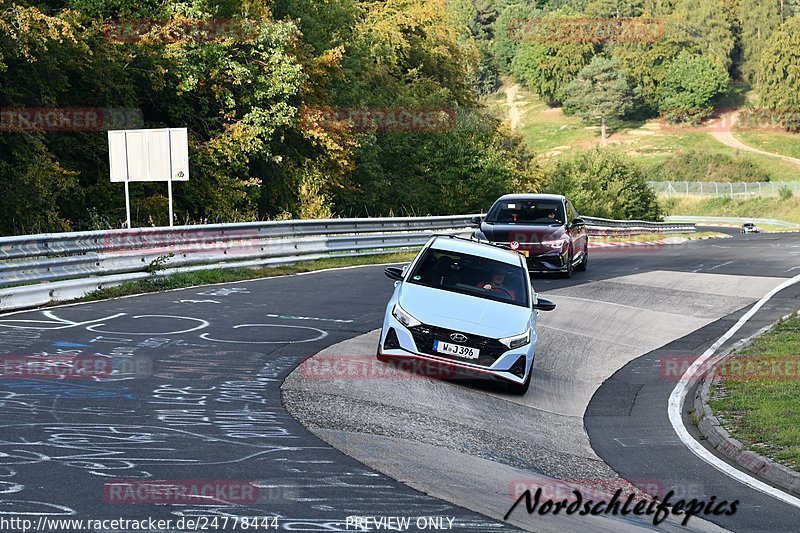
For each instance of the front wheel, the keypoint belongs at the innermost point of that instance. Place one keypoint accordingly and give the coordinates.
(378, 353)
(520, 389)
(568, 272)
(584, 262)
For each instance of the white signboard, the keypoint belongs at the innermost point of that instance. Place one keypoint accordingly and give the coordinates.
(149, 155)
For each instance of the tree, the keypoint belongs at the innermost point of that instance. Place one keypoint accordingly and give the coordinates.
(759, 19)
(605, 183)
(464, 170)
(778, 79)
(614, 8)
(708, 25)
(509, 33)
(646, 65)
(599, 91)
(691, 83)
(549, 58)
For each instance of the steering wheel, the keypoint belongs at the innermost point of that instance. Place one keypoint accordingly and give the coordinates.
(504, 290)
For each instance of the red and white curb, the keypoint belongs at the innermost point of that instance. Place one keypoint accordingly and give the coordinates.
(666, 241)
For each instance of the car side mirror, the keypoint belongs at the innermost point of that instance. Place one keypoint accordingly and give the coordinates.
(578, 222)
(475, 221)
(544, 305)
(395, 273)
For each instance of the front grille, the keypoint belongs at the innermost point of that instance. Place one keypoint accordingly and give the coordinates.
(491, 349)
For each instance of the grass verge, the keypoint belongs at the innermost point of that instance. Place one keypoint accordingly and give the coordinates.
(782, 143)
(788, 209)
(763, 411)
(210, 277)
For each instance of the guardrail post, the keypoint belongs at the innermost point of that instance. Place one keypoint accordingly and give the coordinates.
(716, 189)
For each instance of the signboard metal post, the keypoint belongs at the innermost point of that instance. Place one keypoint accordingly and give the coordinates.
(169, 181)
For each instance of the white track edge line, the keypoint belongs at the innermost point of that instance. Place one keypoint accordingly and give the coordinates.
(678, 396)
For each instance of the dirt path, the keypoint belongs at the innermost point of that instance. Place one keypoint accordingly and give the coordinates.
(726, 137)
(514, 112)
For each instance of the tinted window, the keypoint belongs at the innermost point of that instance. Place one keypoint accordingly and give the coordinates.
(526, 212)
(572, 214)
(473, 275)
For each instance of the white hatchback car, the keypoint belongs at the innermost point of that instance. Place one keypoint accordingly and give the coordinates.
(465, 305)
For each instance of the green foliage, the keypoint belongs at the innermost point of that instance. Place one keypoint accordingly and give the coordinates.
(785, 193)
(464, 170)
(605, 183)
(778, 80)
(547, 66)
(690, 84)
(159, 263)
(759, 20)
(646, 65)
(599, 90)
(243, 100)
(708, 25)
(693, 165)
(614, 8)
(507, 38)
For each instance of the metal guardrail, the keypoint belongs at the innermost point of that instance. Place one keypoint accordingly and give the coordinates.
(38, 269)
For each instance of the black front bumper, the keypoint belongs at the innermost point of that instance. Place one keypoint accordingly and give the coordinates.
(551, 262)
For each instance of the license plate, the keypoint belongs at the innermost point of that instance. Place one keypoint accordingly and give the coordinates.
(456, 349)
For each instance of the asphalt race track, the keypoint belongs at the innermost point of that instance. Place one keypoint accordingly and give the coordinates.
(196, 395)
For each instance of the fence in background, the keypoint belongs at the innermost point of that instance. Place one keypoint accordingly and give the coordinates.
(720, 189)
(38, 269)
(733, 221)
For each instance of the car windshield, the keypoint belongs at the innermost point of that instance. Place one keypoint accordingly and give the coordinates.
(472, 275)
(526, 212)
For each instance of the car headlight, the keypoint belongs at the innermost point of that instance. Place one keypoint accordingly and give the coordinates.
(517, 340)
(403, 317)
(555, 244)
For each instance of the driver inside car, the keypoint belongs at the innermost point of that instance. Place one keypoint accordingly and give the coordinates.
(497, 283)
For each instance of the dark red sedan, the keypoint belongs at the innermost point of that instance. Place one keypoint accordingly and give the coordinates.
(545, 228)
